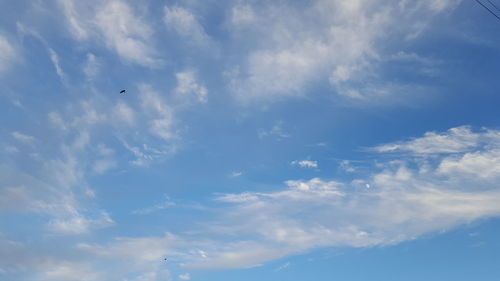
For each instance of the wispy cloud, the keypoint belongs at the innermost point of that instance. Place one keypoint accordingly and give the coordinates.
(305, 163)
(74, 17)
(282, 267)
(407, 198)
(7, 53)
(298, 47)
(126, 33)
(346, 165)
(55, 61)
(23, 137)
(400, 204)
(455, 140)
(403, 201)
(103, 165)
(91, 66)
(241, 15)
(116, 24)
(61, 158)
(56, 187)
(185, 24)
(276, 131)
(78, 224)
(161, 123)
(189, 88)
(235, 174)
(124, 114)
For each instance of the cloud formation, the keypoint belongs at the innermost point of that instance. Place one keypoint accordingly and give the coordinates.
(184, 23)
(63, 155)
(455, 140)
(7, 53)
(336, 41)
(305, 163)
(188, 88)
(116, 25)
(406, 198)
(23, 137)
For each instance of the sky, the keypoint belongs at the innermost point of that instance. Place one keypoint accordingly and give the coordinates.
(256, 140)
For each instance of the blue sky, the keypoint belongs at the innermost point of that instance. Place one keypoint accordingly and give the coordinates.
(257, 140)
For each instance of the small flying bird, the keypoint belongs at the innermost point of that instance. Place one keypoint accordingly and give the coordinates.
(122, 92)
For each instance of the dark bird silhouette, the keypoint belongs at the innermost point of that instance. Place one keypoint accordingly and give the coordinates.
(122, 92)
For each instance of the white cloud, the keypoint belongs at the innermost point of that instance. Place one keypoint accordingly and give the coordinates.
(142, 251)
(104, 150)
(51, 195)
(7, 53)
(134, 259)
(284, 266)
(115, 23)
(185, 276)
(162, 114)
(55, 187)
(281, 73)
(238, 198)
(242, 15)
(188, 87)
(485, 165)
(202, 253)
(52, 259)
(55, 61)
(403, 202)
(16, 198)
(296, 54)
(305, 163)
(11, 149)
(56, 120)
(124, 113)
(23, 137)
(455, 140)
(124, 32)
(285, 49)
(71, 271)
(401, 206)
(74, 18)
(235, 174)
(412, 57)
(397, 203)
(145, 128)
(77, 224)
(144, 154)
(90, 115)
(276, 131)
(345, 165)
(102, 166)
(91, 67)
(185, 24)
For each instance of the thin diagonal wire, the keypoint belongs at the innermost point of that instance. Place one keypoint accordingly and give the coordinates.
(488, 9)
(492, 4)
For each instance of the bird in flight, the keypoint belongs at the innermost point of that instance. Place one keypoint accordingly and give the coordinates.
(122, 92)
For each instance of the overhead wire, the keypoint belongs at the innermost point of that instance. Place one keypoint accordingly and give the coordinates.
(493, 4)
(493, 13)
